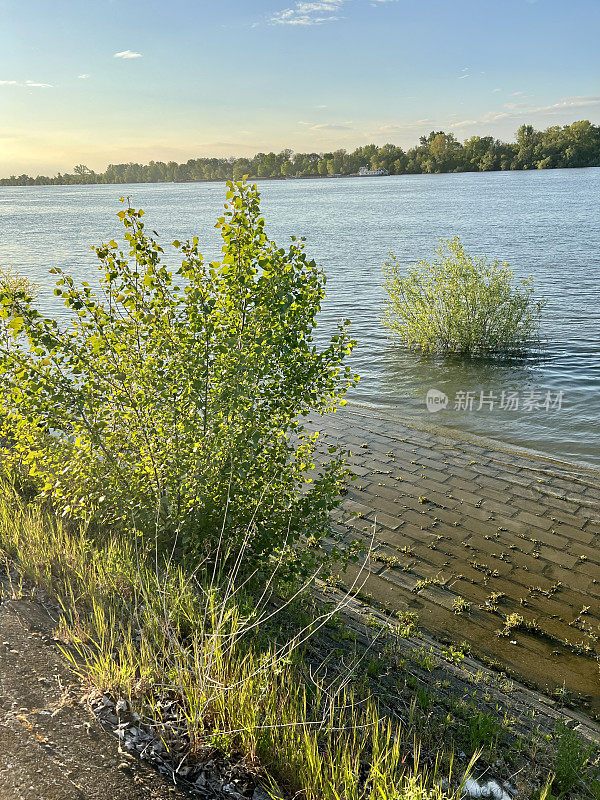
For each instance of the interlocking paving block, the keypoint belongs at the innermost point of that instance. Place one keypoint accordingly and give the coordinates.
(484, 520)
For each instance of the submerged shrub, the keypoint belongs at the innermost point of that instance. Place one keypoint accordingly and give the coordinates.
(12, 281)
(460, 303)
(176, 401)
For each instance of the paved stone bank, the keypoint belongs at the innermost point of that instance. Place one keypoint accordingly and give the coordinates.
(479, 540)
(463, 680)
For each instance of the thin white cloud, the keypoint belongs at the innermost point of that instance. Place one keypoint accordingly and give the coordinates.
(496, 90)
(581, 101)
(460, 77)
(327, 126)
(84, 76)
(396, 128)
(331, 126)
(494, 116)
(518, 111)
(309, 13)
(127, 54)
(314, 12)
(28, 84)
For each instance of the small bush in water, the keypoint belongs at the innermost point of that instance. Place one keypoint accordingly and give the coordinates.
(458, 303)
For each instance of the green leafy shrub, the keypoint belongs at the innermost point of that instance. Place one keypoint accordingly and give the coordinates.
(175, 402)
(460, 304)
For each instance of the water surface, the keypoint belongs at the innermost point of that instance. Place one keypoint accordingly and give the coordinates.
(545, 223)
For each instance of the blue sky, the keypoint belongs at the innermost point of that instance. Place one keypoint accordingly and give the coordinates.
(106, 80)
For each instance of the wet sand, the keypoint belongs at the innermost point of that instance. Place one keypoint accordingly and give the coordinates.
(469, 534)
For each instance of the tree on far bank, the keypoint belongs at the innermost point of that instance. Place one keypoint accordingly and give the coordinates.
(575, 145)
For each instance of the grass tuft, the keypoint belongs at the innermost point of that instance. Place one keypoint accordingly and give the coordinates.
(145, 629)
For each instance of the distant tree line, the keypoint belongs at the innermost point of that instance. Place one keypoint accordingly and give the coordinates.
(575, 145)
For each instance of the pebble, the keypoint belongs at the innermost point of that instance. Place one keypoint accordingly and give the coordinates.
(260, 794)
(122, 706)
(491, 789)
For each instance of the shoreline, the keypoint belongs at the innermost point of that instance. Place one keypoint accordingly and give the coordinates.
(459, 434)
(278, 178)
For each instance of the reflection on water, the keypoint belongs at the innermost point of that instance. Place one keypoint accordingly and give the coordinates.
(410, 374)
(546, 393)
(544, 223)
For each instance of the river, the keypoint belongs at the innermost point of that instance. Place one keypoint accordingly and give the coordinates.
(544, 223)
